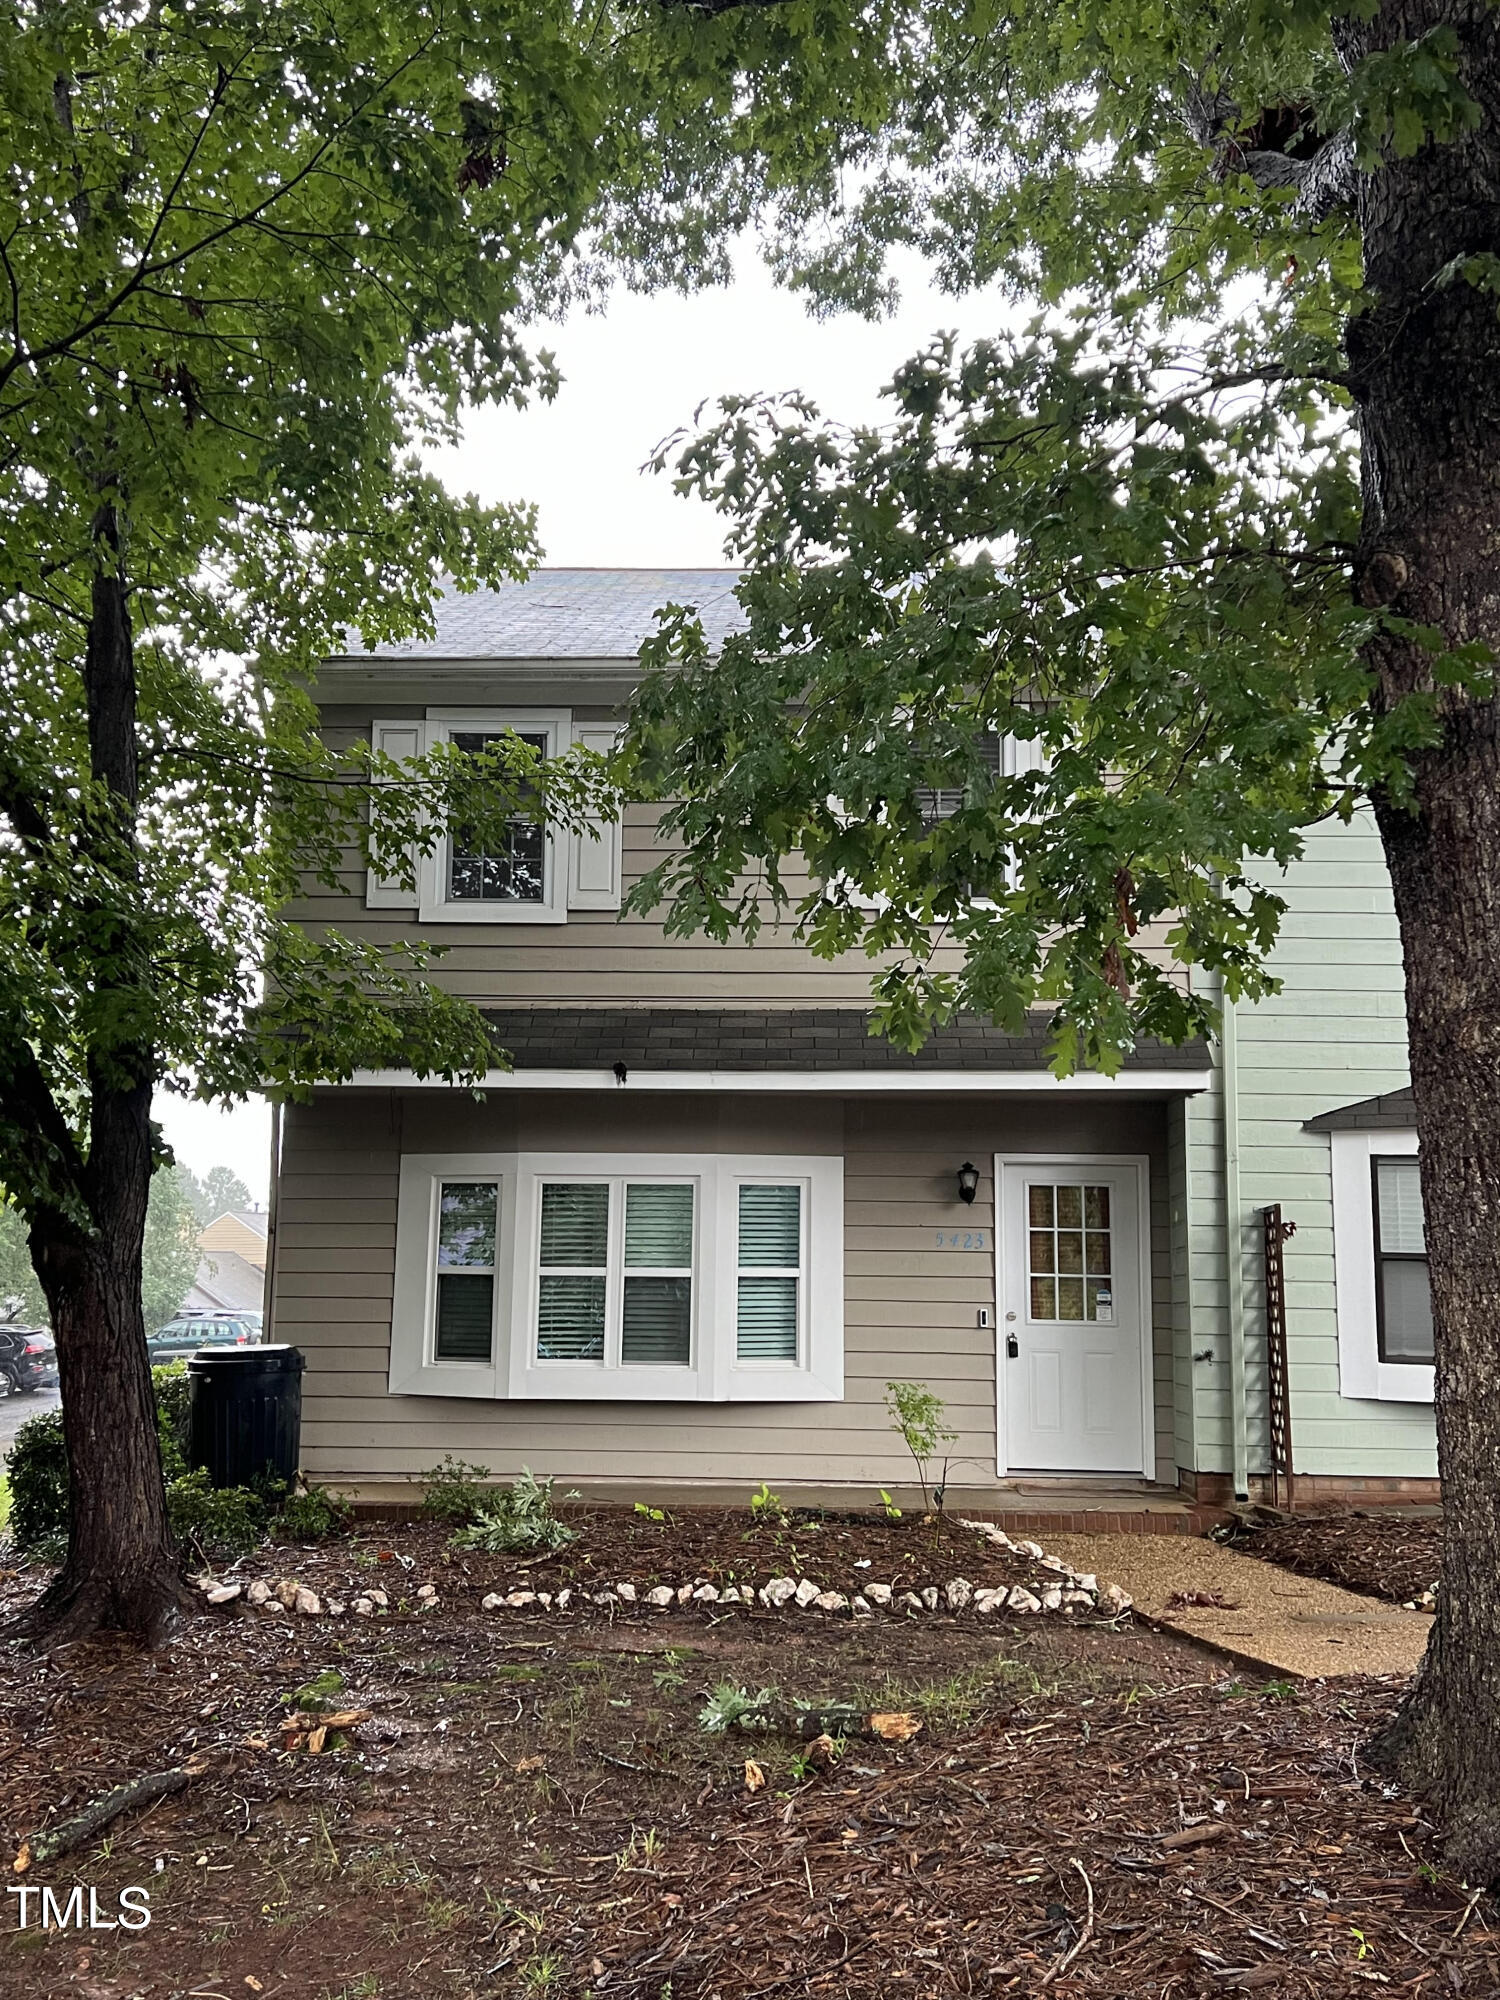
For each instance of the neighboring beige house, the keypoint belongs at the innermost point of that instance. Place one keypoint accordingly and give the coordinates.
(232, 1269)
(684, 1243)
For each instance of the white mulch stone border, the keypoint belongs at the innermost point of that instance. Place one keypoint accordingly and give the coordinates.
(1073, 1593)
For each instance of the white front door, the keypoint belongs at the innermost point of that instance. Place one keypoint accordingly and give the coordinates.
(1073, 1316)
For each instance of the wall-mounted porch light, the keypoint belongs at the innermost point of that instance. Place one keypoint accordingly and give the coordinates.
(968, 1181)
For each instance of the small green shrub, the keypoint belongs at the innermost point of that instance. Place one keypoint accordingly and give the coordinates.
(766, 1505)
(312, 1515)
(456, 1492)
(212, 1521)
(38, 1484)
(216, 1520)
(518, 1520)
(650, 1513)
(169, 1387)
(892, 1511)
(922, 1419)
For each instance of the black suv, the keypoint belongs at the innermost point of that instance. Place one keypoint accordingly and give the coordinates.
(28, 1360)
(190, 1331)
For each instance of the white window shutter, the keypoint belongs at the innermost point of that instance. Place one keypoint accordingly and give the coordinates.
(401, 740)
(594, 865)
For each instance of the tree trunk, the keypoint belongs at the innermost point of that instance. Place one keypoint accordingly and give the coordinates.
(1426, 367)
(122, 1567)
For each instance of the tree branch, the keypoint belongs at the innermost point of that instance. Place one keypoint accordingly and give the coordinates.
(1324, 182)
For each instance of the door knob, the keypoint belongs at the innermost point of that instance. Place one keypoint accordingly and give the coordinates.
(1012, 1347)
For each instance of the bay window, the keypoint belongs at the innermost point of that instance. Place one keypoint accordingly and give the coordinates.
(644, 1276)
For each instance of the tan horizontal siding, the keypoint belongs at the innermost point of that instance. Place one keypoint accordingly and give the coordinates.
(910, 1308)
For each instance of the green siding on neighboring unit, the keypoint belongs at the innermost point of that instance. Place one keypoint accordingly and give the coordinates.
(1335, 1033)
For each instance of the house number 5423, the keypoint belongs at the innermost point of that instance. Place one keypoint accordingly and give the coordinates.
(960, 1239)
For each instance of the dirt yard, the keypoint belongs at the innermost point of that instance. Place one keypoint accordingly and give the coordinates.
(1390, 1556)
(532, 1811)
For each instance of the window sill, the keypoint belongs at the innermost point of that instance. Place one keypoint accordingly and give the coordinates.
(491, 913)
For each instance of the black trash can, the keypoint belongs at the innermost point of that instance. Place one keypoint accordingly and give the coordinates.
(245, 1413)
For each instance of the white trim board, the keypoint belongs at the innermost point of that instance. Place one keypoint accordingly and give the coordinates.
(1141, 1164)
(1363, 1376)
(845, 1082)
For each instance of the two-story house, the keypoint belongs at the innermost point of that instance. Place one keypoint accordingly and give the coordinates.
(683, 1244)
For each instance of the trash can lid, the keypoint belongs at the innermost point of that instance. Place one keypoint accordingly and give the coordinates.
(264, 1354)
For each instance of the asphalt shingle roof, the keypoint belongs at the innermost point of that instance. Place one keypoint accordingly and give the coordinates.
(798, 1038)
(1394, 1112)
(570, 614)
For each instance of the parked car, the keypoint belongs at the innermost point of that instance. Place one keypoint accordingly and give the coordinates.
(28, 1359)
(190, 1331)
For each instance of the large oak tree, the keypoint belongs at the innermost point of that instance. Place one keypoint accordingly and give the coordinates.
(1220, 534)
(254, 254)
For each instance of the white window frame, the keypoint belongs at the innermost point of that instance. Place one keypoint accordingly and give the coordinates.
(414, 1366)
(554, 726)
(609, 1376)
(1363, 1376)
(714, 1374)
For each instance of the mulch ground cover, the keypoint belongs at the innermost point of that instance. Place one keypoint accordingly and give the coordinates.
(1378, 1554)
(534, 1811)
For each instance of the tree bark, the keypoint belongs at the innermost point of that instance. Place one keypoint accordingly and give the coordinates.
(1425, 363)
(86, 1242)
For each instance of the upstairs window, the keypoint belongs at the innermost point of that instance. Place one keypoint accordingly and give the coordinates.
(1403, 1294)
(518, 876)
(517, 872)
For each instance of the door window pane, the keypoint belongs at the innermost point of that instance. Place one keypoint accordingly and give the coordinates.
(1068, 1236)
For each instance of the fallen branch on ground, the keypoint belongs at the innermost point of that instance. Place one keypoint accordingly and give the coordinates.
(47, 1845)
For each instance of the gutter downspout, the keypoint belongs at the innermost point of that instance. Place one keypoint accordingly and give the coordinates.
(1234, 1251)
(268, 1314)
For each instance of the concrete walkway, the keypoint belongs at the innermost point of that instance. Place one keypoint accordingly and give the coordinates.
(1292, 1625)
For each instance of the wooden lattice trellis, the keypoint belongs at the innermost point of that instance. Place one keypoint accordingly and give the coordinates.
(1279, 1391)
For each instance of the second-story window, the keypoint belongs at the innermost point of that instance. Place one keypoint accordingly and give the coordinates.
(516, 873)
(515, 870)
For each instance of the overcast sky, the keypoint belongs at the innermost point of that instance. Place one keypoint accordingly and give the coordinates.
(631, 376)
